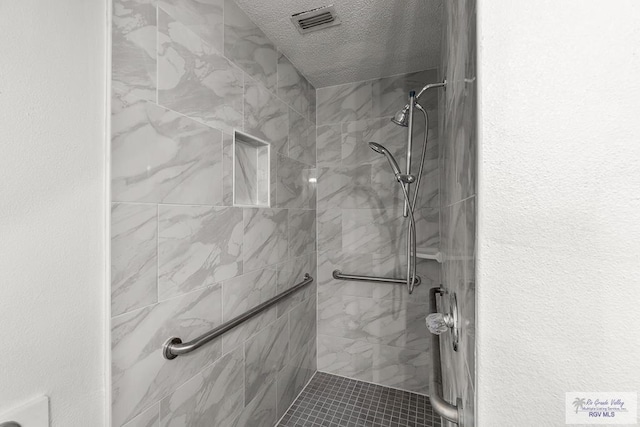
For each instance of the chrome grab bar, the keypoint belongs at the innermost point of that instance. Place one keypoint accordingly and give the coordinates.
(174, 346)
(337, 274)
(443, 408)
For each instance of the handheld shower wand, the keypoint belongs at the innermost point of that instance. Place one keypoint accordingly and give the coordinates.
(401, 177)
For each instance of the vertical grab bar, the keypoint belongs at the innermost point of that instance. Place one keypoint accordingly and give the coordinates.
(443, 408)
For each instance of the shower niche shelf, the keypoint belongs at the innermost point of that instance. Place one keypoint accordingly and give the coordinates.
(429, 253)
(251, 170)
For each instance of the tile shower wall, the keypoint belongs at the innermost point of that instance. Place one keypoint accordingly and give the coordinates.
(373, 332)
(458, 194)
(186, 73)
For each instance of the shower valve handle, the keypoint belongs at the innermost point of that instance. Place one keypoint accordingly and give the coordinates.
(439, 323)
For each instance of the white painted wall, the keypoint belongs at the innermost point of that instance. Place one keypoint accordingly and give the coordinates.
(559, 205)
(52, 207)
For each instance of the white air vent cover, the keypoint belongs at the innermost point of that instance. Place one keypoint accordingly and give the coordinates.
(315, 19)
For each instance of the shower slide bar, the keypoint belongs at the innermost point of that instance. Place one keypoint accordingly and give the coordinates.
(174, 346)
(443, 408)
(337, 274)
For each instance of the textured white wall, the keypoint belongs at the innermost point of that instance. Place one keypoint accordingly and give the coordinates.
(559, 212)
(52, 165)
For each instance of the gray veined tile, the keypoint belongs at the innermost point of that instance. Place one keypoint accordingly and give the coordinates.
(261, 411)
(302, 325)
(296, 184)
(247, 46)
(134, 242)
(357, 135)
(265, 116)
(244, 292)
(292, 86)
(343, 356)
(198, 246)
(214, 397)
(302, 232)
(347, 187)
(140, 374)
(292, 272)
(160, 156)
(204, 18)
(344, 103)
(390, 94)
(149, 418)
(329, 145)
(302, 139)
(312, 96)
(295, 375)
(241, 294)
(265, 355)
(401, 368)
(194, 79)
(427, 228)
(348, 263)
(329, 225)
(227, 162)
(265, 237)
(379, 231)
(347, 316)
(133, 52)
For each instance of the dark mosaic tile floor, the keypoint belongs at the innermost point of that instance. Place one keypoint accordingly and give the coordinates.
(333, 401)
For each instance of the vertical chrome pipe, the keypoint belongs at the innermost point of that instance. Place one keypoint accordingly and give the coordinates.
(412, 97)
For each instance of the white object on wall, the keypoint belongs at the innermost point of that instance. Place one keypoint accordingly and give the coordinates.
(31, 414)
(53, 207)
(559, 184)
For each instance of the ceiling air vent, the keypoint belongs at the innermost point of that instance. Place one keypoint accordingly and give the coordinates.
(315, 19)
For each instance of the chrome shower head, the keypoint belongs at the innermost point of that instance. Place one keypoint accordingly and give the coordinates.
(401, 118)
(380, 149)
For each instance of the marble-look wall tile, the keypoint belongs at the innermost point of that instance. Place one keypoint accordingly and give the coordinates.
(346, 187)
(194, 79)
(348, 263)
(427, 228)
(302, 325)
(265, 355)
(372, 231)
(302, 232)
(401, 368)
(313, 96)
(265, 116)
(140, 374)
(296, 184)
(214, 397)
(149, 418)
(265, 237)
(357, 135)
(302, 139)
(346, 357)
(348, 102)
(198, 246)
(134, 242)
(292, 86)
(295, 375)
(227, 167)
(329, 224)
(329, 145)
(244, 292)
(159, 156)
(390, 94)
(133, 55)
(247, 46)
(261, 411)
(204, 18)
(291, 273)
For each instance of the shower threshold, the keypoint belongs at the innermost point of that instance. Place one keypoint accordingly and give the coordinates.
(333, 401)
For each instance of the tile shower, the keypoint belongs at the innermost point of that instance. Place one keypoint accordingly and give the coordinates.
(184, 259)
(189, 252)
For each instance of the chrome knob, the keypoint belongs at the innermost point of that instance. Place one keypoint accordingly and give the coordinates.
(439, 323)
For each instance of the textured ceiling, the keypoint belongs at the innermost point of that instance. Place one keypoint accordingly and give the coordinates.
(377, 38)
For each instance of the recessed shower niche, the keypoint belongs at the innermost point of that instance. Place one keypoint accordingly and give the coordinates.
(251, 157)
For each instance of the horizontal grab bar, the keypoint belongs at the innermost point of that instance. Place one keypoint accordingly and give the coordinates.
(337, 274)
(174, 346)
(443, 408)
